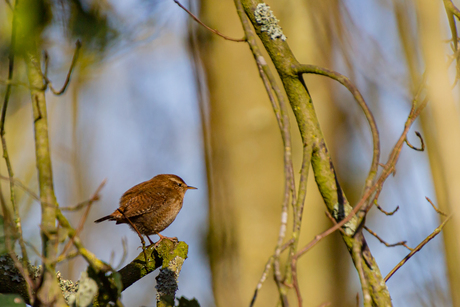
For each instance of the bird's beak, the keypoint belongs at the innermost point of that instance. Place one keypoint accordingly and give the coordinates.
(191, 188)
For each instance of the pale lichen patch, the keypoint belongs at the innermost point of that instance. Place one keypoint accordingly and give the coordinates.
(264, 17)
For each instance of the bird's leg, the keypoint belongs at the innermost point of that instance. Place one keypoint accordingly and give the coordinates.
(138, 233)
(162, 237)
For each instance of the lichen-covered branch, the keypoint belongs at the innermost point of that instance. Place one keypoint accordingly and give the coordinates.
(49, 289)
(315, 150)
(105, 286)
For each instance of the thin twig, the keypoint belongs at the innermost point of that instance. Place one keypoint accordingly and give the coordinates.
(93, 198)
(210, 29)
(334, 221)
(357, 255)
(69, 73)
(261, 280)
(19, 184)
(15, 83)
(92, 260)
(124, 244)
(324, 234)
(434, 207)
(402, 243)
(386, 212)
(313, 69)
(418, 248)
(422, 148)
(295, 282)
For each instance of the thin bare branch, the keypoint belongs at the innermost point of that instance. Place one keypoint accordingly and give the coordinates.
(418, 248)
(358, 259)
(69, 73)
(124, 244)
(422, 148)
(434, 207)
(262, 280)
(93, 198)
(210, 29)
(313, 69)
(402, 243)
(386, 212)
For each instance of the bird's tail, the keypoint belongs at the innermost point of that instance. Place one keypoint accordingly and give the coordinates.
(105, 218)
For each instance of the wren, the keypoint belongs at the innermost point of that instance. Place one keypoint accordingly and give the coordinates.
(151, 206)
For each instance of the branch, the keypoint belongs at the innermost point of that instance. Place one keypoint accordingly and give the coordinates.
(313, 69)
(165, 255)
(88, 203)
(276, 97)
(49, 288)
(422, 148)
(434, 207)
(418, 248)
(315, 150)
(69, 73)
(210, 29)
(402, 243)
(17, 228)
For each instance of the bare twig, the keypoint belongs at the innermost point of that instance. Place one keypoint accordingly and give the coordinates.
(261, 280)
(97, 264)
(69, 73)
(295, 281)
(418, 248)
(14, 83)
(386, 212)
(422, 148)
(210, 29)
(333, 221)
(402, 243)
(93, 198)
(313, 69)
(124, 244)
(434, 207)
(358, 258)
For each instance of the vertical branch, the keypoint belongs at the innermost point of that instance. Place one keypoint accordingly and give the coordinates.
(16, 217)
(280, 108)
(49, 290)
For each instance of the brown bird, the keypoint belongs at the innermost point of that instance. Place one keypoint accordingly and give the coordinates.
(151, 206)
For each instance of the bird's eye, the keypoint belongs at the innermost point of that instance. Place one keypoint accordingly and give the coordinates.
(180, 184)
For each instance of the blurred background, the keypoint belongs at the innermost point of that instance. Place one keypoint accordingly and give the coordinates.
(153, 92)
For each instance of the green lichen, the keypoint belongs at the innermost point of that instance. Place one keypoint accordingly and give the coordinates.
(68, 288)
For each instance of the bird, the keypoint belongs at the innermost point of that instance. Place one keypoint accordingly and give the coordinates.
(151, 206)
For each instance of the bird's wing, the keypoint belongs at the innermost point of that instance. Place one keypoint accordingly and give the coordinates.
(142, 199)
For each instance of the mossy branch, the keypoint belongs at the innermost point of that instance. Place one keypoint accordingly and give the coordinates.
(168, 256)
(315, 150)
